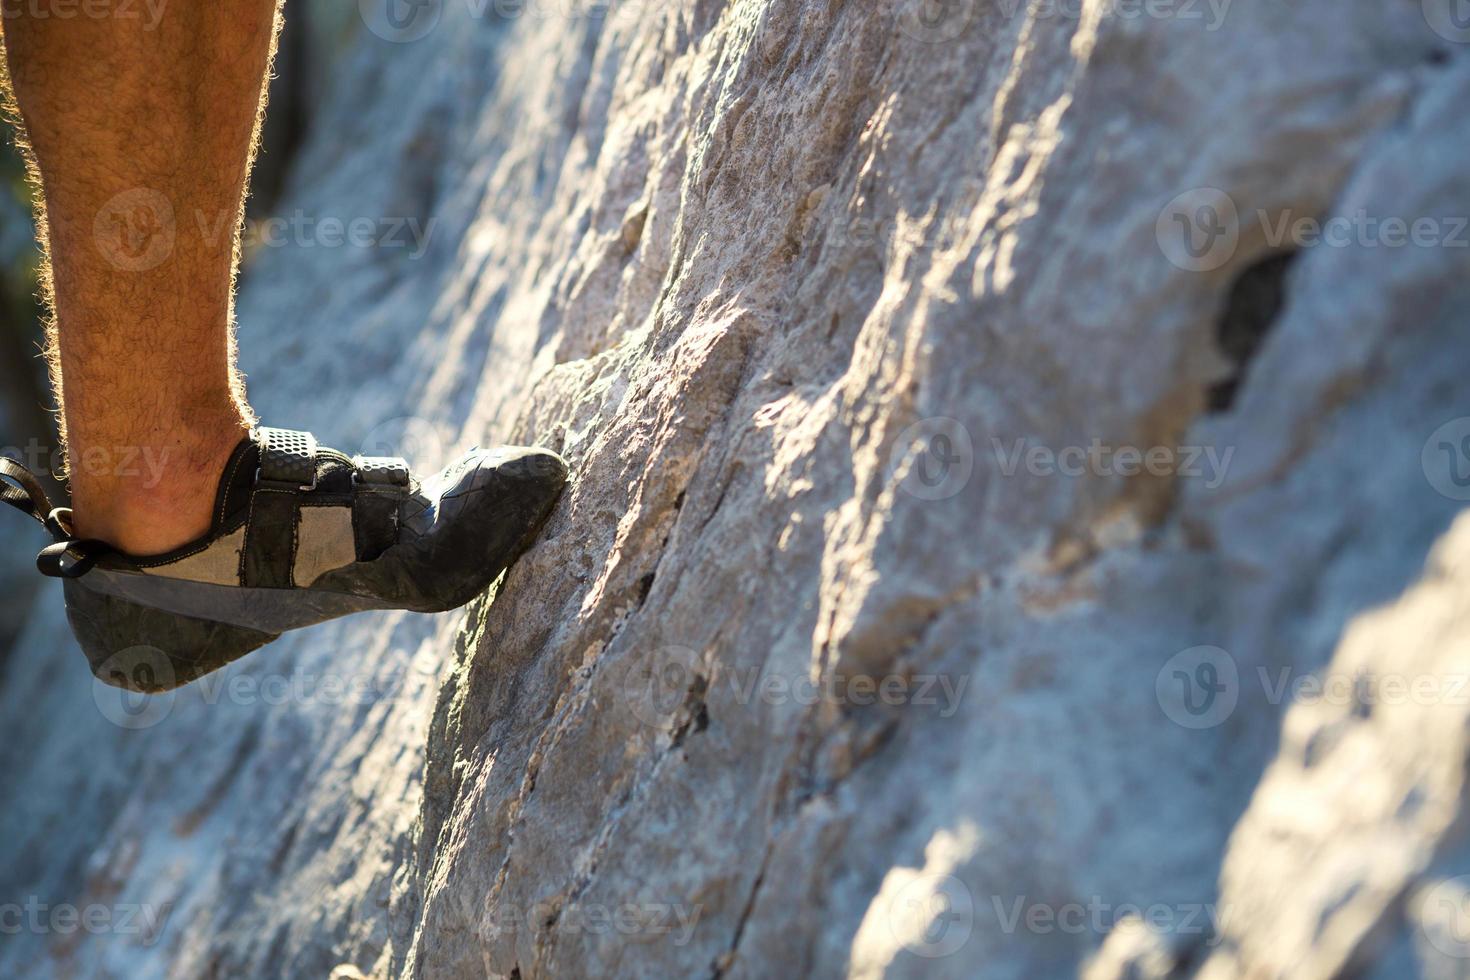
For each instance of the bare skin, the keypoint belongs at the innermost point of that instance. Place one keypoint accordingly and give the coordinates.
(142, 124)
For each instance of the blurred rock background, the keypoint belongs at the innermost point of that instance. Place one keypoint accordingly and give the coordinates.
(24, 420)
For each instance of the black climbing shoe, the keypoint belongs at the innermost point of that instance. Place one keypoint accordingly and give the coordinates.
(301, 535)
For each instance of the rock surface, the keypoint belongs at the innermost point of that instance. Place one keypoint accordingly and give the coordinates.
(865, 644)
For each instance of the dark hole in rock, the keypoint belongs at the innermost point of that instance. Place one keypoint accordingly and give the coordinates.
(1251, 311)
(645, 584)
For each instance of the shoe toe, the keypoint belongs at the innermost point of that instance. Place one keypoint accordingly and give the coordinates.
(499, 494)
(524, 479)
(532, 470)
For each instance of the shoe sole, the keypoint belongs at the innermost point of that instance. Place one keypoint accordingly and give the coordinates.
(152, 634)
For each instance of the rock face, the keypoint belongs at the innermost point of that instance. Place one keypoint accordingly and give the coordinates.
(1017, 452)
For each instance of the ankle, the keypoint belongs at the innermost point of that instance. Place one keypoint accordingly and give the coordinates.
(152, 498)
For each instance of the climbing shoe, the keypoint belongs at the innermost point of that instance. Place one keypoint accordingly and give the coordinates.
(301, 534)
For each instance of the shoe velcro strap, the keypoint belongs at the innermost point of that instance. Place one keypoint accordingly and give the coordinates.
(384, 480)
(375, 521)
(383, 471)
(269, 552)
(287, 457)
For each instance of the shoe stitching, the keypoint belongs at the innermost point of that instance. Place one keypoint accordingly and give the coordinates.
(229, 482)
(295, 544)
(223, 533)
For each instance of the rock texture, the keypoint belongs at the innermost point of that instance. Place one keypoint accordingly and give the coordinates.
(982, 475)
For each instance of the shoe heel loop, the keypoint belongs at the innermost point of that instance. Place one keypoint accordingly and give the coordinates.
(20, 488)
(68, 556)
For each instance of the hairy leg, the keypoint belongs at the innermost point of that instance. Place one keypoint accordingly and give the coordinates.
(141, 125)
